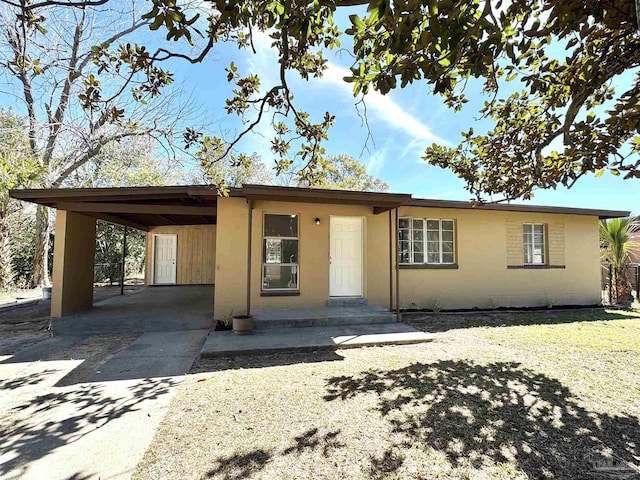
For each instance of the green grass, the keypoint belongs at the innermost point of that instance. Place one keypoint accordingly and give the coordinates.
(536, 395)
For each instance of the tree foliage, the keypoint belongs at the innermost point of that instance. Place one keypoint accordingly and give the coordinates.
(108, 260)
(130, 162)
(234, 174)
(547, 69)
(18, 169)
(344, 172)
(617, 245)
(561, 118)
(83, 86)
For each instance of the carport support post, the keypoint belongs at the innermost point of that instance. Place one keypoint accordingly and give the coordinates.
(73, 259)
(249, 239)
(397, 265)
(390, 260)
(124, 261)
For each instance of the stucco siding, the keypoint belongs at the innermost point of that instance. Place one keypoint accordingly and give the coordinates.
(73, 261)
(487, 242)
(231, 257)
(313, 254)
(195, 253)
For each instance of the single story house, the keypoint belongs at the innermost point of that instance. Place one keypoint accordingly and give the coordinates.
(268, 246)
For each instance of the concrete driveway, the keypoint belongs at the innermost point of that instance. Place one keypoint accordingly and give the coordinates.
(86, 406)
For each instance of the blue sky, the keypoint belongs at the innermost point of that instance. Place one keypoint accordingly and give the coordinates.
(402, 123)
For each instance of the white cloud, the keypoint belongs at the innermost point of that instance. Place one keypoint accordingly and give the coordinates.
(381, 107)
(376, 162)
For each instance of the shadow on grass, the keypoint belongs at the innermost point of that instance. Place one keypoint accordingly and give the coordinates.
(434, 322)
(89, 407)
(217, 364)
(245, 465)
(477, 415)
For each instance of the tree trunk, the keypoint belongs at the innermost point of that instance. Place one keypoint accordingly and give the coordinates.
(6, 260)
(41, 255)
(621, 287)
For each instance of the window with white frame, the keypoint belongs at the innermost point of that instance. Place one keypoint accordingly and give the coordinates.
(426, 240)
(534, 243)
(280, 265)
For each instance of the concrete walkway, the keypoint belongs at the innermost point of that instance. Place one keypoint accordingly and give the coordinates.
(150, 309)
(291, 339)
(154, 354)
(97, 429)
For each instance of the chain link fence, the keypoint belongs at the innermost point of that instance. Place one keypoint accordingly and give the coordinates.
(109, 274)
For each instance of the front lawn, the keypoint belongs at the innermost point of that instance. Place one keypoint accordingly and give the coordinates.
(533, 396)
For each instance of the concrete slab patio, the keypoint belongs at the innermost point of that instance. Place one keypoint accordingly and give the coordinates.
(225, 343)
(151, 309)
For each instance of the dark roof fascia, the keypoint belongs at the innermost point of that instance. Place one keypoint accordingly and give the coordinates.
(319, 195)
(27, 194)
(508, 207)
(294, 194)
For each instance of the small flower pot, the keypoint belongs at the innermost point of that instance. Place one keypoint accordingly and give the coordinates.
(242, 324)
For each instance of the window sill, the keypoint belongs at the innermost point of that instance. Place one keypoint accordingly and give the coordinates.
(535, 267)
(429, 266)
(281, 293)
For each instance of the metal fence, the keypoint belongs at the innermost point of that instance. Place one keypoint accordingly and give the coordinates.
(107, 273)
(110, 273)
(632, 273)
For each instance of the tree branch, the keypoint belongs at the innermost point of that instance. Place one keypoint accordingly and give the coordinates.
(52, 3)
(72, 75)
(94, 151)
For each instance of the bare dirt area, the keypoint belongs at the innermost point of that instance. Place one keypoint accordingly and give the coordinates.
(23, 326)
(17, 294)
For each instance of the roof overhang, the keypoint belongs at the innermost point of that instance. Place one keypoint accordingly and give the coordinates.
(380, 202)
(148, 207)
(509, 207)
(138, 207)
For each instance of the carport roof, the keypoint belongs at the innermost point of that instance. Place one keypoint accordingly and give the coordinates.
(138, 207)
(148, 207)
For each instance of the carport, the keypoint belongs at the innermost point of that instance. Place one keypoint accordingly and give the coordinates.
(150, 309)
(143, 208)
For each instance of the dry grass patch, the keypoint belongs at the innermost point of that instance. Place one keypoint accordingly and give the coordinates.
(478, 403)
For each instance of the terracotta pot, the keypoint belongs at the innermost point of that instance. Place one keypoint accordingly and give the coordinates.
(242, 324)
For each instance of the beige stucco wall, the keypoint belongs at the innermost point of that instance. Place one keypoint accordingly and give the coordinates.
(73, 261)
(195, 253)
(488, 241)
(482, 279)
(231, 247)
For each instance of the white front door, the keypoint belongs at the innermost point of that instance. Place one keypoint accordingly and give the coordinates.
(345, 272)
(164, 263)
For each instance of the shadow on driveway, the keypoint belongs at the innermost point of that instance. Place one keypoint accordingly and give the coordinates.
(49, 424)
